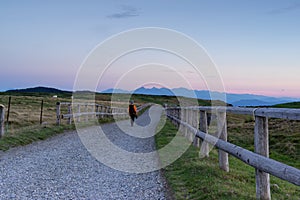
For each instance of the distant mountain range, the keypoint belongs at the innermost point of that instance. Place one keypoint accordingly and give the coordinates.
(233, 99)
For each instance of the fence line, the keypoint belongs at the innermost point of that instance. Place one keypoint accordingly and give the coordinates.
(259, 159)
(90, 110)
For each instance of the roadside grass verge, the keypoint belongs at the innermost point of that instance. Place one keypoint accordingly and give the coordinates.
(30, 134)
(192, 178)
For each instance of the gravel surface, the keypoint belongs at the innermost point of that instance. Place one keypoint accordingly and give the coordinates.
(62, 168)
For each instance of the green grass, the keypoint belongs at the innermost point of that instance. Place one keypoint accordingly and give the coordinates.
(30, 134)
(192, 178)
(288, 105)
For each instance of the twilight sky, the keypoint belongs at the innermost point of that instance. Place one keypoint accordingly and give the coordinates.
(255, 44)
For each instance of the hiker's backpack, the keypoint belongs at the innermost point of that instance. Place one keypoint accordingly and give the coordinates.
(131, 110)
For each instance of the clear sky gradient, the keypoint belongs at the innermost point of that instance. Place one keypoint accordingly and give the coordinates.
(254, 43)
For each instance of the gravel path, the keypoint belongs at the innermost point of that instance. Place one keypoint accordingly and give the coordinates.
(62, 168)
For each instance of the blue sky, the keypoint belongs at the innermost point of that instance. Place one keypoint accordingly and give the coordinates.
(254, 43)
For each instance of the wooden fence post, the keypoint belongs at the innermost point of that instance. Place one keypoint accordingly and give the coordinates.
(97, 111)
(102, 111)
(181, 117)
(41, 114)
(58, 113)
(105, 111)
(108, 110)
(174, 115)
(86, 111)
(119, 116)
(8, 110)
(178, 117)
(2, 119)
(111, 111)
(191, 122)
(261, 146)
(196, 141)
(188, 121)
(184, 120)
(78, 112)
(204, 149)
(170, 112)
(70, 112)
(186, 117)
(92, 110)
(222, 131)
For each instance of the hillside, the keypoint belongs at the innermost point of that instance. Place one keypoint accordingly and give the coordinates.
(39, 89)
(288, 105)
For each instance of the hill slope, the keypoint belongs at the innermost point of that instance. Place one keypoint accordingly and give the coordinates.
(39, 89)
(288, 105)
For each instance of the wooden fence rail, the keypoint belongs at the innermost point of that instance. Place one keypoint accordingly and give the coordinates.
(79, 111)
(259, 159)
(89, 110)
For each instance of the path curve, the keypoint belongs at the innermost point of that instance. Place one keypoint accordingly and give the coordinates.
(62, 168)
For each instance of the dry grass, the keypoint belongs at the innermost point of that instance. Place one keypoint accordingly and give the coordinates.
(25, 111)
(284, 137)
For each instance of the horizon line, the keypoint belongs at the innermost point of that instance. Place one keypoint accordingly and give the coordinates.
(126, 90)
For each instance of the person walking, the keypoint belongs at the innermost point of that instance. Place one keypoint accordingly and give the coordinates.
(132, 112)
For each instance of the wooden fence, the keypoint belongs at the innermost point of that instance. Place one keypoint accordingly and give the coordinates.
(87, 111)
(194, 123)
(6, 121)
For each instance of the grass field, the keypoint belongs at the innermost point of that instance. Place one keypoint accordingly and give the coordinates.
(24, 126)
(26, 107)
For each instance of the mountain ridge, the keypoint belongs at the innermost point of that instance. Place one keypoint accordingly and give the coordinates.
(231, 98)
